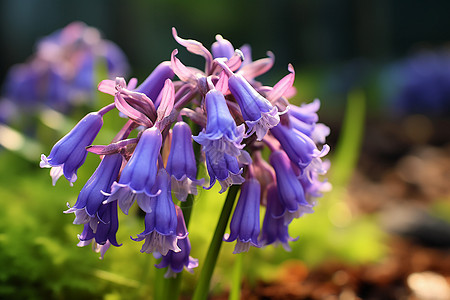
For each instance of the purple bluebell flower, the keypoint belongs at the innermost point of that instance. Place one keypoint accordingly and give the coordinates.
(226, 170)
(101, 228)
(290, 191)
(177, 261)
(159, 163)
(275, 229)
(92, 195)
(221, 135)
(70, 152)
(419, 84)
(181, 164)
(259, 114)
(244, 225)
(305, 118)
(297, 145)
(138, 177)
(154, 83)
(222, 48)
(160, 232)
(61, 72)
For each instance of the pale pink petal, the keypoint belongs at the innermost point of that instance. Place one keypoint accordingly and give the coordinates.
(236, 60)
(259, 67)
(132, 83)
(196, 116)
(140, 100)
(131, 112)
(179, 69)
(282, 86)
(222, 84)
(194, 47)
(167, 100)
(111, 148)
(290, 93)
(107, 86)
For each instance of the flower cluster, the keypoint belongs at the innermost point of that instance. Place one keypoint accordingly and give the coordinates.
(239, 122)
(62, 71)
(419, 84)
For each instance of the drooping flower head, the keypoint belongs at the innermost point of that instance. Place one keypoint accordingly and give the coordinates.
(291, 195)
(259, 114)
(226, 171)
(177, 261)
(221, 135)
(92, 195)
(158, 167)
(160, 232)
(275, 229)
(101, 229)
(181, 164)
(244, 226)
(69, 153)
(138, 177)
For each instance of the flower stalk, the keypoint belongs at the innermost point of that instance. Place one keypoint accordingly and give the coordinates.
(235, 293)
(202, 289)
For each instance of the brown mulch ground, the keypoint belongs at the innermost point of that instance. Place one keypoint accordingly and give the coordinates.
(409, 271)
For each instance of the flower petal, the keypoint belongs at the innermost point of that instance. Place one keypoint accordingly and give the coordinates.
(282, 86)
(194, 47)
(180, 69)
(167, 100)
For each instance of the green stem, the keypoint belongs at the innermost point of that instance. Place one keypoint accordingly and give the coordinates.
(202, 289)
(159, 282)
(235, 293)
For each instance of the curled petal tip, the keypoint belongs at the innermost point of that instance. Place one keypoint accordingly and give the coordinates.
(174, 32)
(291, 68)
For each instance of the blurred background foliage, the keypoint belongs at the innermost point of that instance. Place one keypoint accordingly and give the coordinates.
(340, 50)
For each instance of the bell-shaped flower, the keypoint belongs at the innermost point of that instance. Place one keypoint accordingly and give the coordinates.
(92, 194)
(69, 153)
(160, 232)
(102, 228)
(297, 145)
(181, 164)
(221, 135)
(154, 83)
(139, 175)
(244, 225)
(304, 118)
(290, 190)
(177, 261)
(259, 114)
(226, 170)
(274, 229)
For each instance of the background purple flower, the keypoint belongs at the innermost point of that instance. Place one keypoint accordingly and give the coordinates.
(62, 73)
